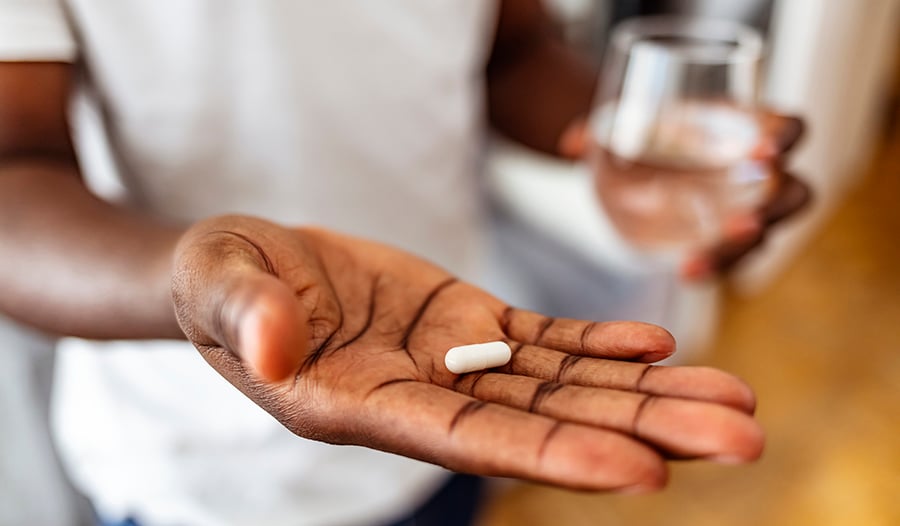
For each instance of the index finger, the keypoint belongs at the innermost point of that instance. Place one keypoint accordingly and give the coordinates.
(782, 131)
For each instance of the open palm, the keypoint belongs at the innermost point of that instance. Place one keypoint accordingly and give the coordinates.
(343, 341)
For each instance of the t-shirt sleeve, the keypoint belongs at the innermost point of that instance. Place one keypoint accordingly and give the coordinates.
(35, 30)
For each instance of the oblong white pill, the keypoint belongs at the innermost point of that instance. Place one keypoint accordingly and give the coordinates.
(478, 356)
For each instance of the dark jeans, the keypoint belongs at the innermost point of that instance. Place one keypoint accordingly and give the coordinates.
(455, 504)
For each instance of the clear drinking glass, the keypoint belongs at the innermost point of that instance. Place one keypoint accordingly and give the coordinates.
(675, 138)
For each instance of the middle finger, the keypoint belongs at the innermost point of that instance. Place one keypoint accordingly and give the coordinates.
(696, 383)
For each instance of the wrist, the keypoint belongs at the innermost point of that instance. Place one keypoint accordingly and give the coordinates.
(160, 270)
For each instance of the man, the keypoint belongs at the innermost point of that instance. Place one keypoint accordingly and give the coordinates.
(236, 126)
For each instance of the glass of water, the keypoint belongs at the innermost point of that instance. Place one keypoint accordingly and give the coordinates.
(675, 141)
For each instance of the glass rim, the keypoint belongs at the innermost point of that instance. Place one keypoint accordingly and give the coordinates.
(747, 41)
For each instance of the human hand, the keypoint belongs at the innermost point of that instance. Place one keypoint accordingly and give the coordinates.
(744, 232)
(343, 341)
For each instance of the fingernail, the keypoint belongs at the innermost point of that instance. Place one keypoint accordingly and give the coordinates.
(637, 489)
(651, 357)
(727, 459)
(572, 142)
(742, 225)
(696, 269)
(765, 149)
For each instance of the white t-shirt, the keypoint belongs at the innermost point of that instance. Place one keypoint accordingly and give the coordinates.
(364, 117)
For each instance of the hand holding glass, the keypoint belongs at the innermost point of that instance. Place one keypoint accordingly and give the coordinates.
(676, 145)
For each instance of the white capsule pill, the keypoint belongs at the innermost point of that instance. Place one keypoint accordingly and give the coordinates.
(468, 358)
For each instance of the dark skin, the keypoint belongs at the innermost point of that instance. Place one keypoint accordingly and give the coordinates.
(342, 339)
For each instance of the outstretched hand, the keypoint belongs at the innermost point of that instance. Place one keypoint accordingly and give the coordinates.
(343, 341)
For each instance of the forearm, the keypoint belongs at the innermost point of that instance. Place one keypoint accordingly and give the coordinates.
(537, 86)
(72, 264)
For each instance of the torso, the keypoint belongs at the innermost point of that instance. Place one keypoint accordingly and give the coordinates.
(360, 117)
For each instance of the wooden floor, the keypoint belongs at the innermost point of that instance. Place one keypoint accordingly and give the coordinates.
(822, 348)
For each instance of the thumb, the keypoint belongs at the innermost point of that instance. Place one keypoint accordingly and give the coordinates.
(226, 296)
(573, 143)
(257, 317)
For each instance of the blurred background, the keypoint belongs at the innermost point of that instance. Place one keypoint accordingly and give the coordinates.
(812, 321)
